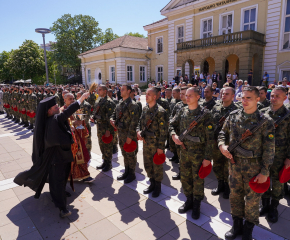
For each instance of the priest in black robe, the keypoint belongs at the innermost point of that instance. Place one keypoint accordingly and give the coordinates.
(51, 154)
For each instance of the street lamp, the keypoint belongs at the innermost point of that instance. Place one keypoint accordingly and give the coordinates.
(44, 31)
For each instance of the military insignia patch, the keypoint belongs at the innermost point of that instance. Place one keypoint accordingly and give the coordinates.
(161, 123)
(209, 127)
(132, 113)
(271, 136)
(110, 109)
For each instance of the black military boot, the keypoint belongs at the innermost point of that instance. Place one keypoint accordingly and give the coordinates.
(115, 149)
(124, 175)
(14, 119)
(265, 206)
(7, 116)
(151, 186)
(227, 191)
(196, 209)
(157, 189)
(248, 230)
(30, 126)
(131, 176)
(273, 212)
(21, 123)
(237, 228)
(286, 189)
(177, 176)
(187, 205)
(10, 117)
(219, 189)
(101, 166)
(107, 167)
(17, 121)
(175, 156)
(26, 125)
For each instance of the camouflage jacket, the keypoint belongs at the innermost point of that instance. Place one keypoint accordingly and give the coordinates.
(282, 131)
(163, 103)
(169, 100)
(204, 130)
(130, 117)
(107, 107)
(209, 105)
(92, 99)
(218, 112)
(173, 103)
(32, 102)
(261, 143)
(5, 97)
(158, 126)
(57, 98)
(176, 109)
(265, 103)
(86, 109)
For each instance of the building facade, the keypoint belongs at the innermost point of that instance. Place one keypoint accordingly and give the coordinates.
(200, 35)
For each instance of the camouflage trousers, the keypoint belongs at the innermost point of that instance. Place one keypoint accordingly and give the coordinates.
(31, 120)
(24, 118)
(106, 149)
(220, 165)
(89, 138)
(130, 159)
(1, 106)
(17, 113)
(244, 201)
(190, 162)
(153, 170)
(115, 140)
(277, 190)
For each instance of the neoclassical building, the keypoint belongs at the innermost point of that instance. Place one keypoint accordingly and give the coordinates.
(213, 35)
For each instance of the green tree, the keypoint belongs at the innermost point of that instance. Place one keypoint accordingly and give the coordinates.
(108, 36)
(135, 34)
(74, 35)
(5, 74)
(27, 61)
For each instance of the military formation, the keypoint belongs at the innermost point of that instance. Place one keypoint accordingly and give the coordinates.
(244, 141)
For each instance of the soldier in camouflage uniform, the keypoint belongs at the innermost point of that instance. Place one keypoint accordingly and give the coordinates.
(176, 98)
(209, 102)
(263, 99)
(32, 105)
(175, 149)
(125, 118)
(244, 201)
(16, 96)
(101, 114)
(92, 99)
(115, 140)
(23, 108)
(5, 101)
(282, 153)
(154, 138)
(10, 102)
(85, 107)
(55, 94)
(220, 162)
(198, 150)
(168, 95)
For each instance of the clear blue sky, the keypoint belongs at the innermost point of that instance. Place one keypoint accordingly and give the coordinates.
(19, 18)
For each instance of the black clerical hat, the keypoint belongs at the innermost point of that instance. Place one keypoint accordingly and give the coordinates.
(48, 102)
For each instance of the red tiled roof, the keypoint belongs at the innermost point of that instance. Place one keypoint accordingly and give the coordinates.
(125, 41)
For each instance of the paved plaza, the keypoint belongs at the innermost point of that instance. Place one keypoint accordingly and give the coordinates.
(108, 209)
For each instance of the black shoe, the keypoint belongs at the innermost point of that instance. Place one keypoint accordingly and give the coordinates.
(22, 123)
(273, 212)
(10, 117)
(26, 125)
(14, 119)
(286, 189)
(64, 213)
(237, 229)
(151, 187)
(219, 189)
(248, 230)
(227, 191)
(187, 205)
(265, 206)
(177, 176)
(175, 156)
(7, 116)
(67, 194)
(17, 121)
(124, 175)
(30, 126)
(108, 167)
(195, 209)
(115, 149)
(88, 180)
(131, 176)
(101, 166)
(157, 190)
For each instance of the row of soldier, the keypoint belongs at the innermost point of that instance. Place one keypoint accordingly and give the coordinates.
(222, 124)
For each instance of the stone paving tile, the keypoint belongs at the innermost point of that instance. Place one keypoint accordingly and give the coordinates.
(6, 194)
(19, 154)
(121, 236)
(146, 208)
(9, 166)
(31, 236)
(16, 229)
(144, 230)
(5, 157)
(103, 229)
(12, 215)
(12, 174)
(75, 236)
(9, 204)
(281, 228)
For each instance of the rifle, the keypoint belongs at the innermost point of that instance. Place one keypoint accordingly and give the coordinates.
(192, 125)
(279, 120)
(246, 135)
(221, 122)
(120, 115)
(98, 109)
(144, 131)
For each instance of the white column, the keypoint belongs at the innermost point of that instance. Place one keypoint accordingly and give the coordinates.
(121, 71)
(83, 75)
(171, 48)
(272, 37)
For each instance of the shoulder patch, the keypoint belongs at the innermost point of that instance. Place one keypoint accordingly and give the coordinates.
(271, 136)
(161, 123)
(209, 127)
